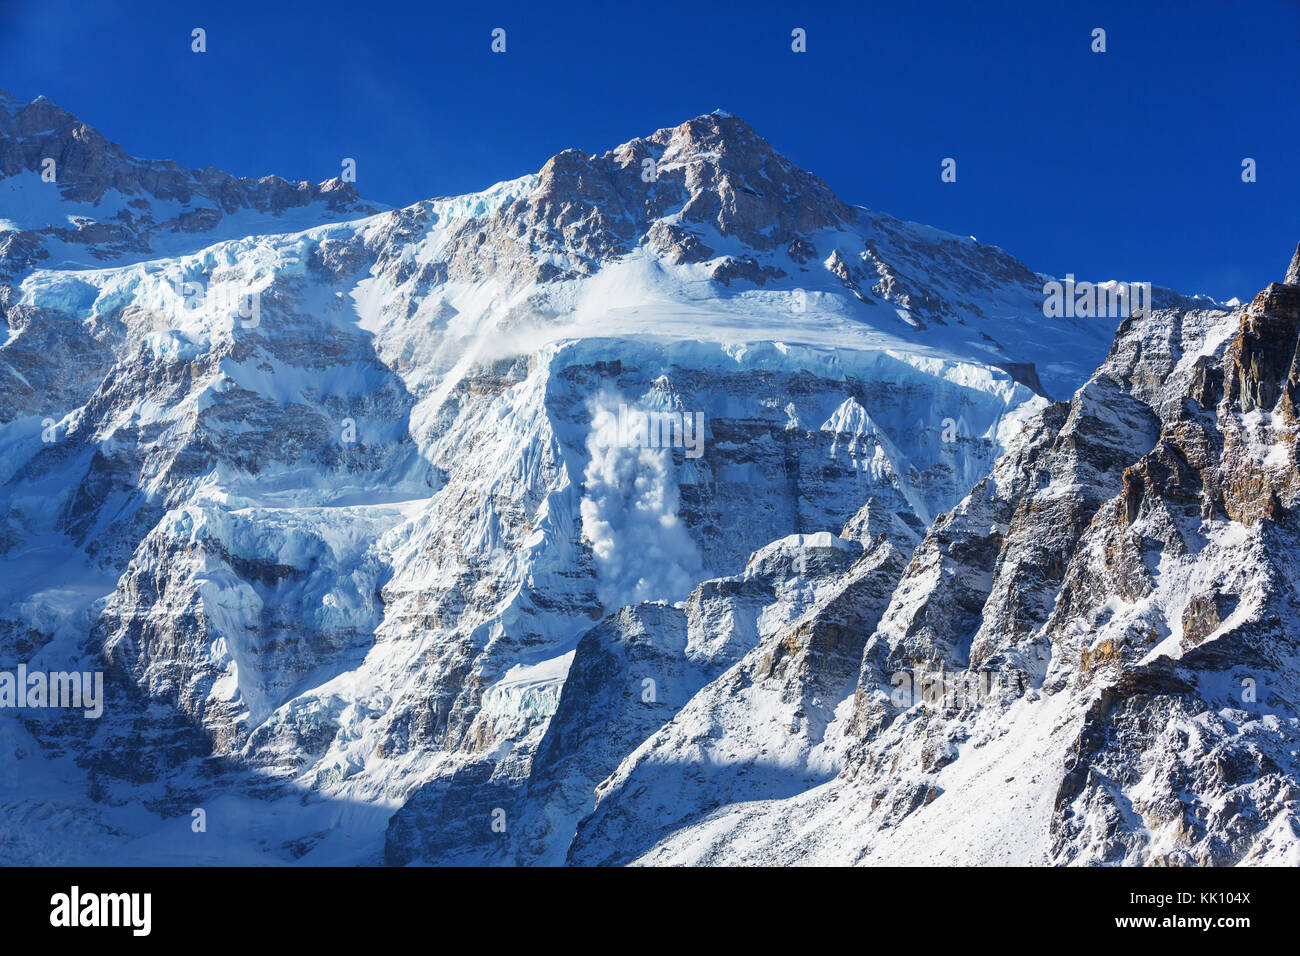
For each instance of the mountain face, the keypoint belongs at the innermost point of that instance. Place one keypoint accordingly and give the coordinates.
(593, 518)
(1091, 659)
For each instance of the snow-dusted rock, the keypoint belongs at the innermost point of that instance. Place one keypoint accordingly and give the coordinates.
(1090, 660)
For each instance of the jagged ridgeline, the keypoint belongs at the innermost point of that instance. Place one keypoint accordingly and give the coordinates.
(621, 512)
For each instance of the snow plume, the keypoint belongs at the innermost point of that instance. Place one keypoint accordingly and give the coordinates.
(629, 517)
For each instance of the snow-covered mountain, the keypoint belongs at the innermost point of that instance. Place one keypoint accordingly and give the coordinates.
(359, 513)
(1092, 659)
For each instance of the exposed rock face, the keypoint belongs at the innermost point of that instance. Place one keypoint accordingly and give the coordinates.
(712, 172)
(1120, 595)
(770, 726)
(361, 562)
(629, 675)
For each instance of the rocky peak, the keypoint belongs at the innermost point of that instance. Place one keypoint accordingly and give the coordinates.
(1262, 363)
(732, 178)
(670, 189)
(43, 115)
(88, 168)
(89, 165)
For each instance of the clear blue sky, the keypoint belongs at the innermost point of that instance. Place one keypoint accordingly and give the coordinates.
(1122, 165)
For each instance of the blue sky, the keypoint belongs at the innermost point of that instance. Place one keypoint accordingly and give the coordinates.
(1123, 165)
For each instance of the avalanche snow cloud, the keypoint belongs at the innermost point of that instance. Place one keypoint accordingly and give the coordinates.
(630, 506)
